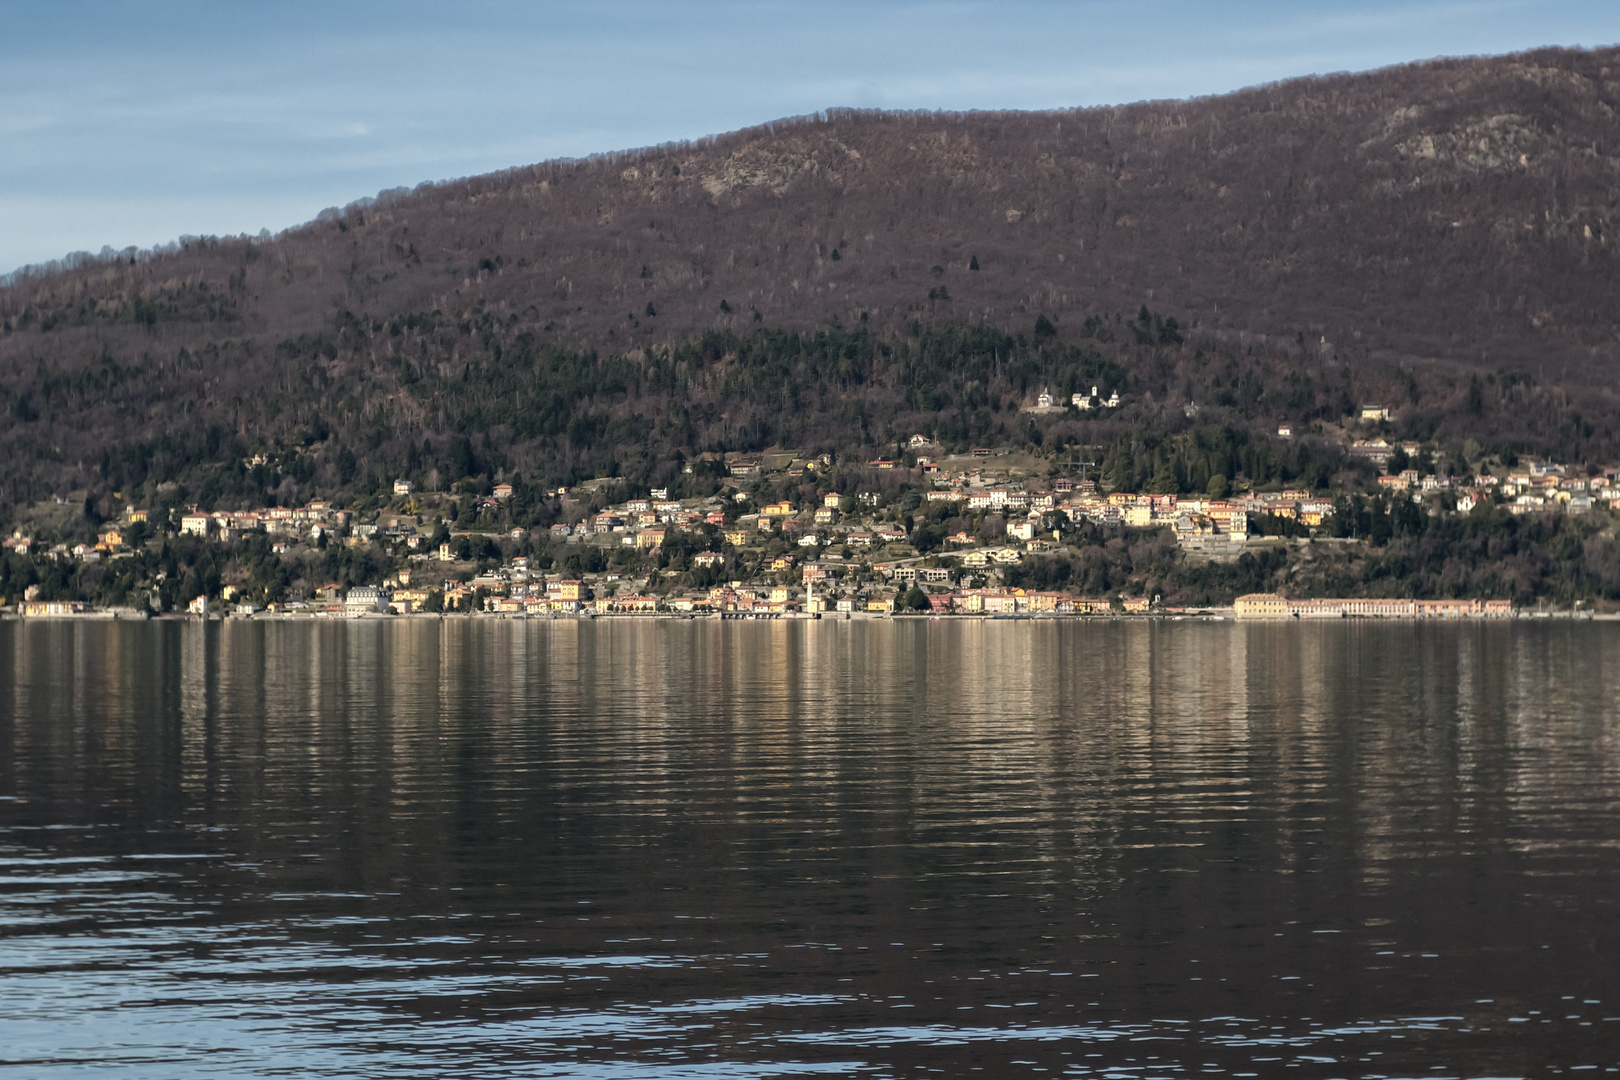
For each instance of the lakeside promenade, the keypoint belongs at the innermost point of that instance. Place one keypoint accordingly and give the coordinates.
(1260, 608)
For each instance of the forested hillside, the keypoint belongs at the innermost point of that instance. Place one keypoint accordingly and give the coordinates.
(1438, 237)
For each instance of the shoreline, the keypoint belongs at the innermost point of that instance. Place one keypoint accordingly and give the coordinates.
(1214, 614)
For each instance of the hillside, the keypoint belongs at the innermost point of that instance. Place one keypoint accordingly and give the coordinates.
(1438, 235)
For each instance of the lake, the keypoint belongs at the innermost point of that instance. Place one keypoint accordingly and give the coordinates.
(616, 850)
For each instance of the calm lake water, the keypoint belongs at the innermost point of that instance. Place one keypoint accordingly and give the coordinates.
(489, 849)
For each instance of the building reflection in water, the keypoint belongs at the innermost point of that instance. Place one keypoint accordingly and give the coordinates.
(1067, 738)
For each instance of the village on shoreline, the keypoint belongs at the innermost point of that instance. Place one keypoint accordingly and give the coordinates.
(771, 537)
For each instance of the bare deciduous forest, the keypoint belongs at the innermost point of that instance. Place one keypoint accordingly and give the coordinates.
(1438, 237)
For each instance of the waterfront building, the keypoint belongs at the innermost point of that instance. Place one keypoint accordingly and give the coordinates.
(364, 599)
(1261, 606)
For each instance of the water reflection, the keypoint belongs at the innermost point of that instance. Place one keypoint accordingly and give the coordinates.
(703, 849)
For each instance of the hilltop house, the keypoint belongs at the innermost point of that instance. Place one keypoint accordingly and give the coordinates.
(1095, 400)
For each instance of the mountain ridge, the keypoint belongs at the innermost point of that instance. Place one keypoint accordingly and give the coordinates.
(1400, 233)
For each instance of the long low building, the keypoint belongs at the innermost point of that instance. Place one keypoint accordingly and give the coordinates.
(34, 609)
(1275, 606)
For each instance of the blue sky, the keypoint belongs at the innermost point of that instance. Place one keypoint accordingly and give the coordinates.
(135, 122)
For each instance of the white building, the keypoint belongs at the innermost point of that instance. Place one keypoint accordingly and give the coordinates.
(365, 598)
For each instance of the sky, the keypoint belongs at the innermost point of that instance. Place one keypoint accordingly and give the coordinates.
(136, 122)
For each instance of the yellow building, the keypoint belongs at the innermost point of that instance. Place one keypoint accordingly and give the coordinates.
(406, 601)
(1138, 515)
(38, 608)
(1261, 606)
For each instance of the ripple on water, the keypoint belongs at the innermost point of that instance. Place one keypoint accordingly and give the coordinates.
(591, 850)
